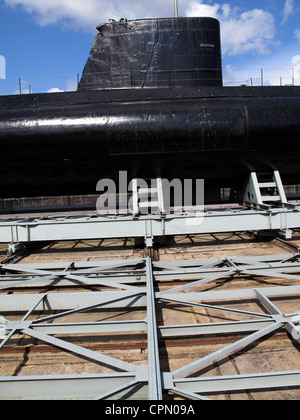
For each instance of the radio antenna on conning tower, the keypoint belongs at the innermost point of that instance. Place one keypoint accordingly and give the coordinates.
(176, 8)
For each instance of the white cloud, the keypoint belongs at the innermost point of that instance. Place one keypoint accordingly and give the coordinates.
(297, 34)
(69, 12)
(87, 14)
(201, 9)
(282, 68)
(54, 90)
(71, 85)
(242, 31)
(288, 10)
(229, 72)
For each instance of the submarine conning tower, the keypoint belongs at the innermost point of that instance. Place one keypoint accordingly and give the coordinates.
(155, 53)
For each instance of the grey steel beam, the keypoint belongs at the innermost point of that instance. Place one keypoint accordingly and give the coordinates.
(172, 331)
(101, 265)
(267, 303)
(91, 327)
(76, 228)
(155, 383)
(87, 386)
(240, 383)
(123, 299)
(187, 394)
(233, 294)
(70, 301)
(233, 327)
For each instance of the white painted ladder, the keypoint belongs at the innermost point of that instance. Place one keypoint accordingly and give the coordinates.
(145, 198)
(264, 193)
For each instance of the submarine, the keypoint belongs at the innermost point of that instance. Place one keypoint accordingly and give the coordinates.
(151, 102)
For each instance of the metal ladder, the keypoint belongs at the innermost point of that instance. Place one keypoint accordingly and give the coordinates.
(264, 190)
(145, 198)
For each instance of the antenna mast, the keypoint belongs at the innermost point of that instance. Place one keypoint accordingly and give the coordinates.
(176, 8)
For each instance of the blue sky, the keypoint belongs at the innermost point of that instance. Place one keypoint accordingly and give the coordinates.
(46, 42)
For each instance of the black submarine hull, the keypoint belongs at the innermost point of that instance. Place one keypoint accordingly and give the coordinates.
(64, 143)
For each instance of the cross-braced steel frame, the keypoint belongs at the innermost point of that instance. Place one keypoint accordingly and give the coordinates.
(145, 285)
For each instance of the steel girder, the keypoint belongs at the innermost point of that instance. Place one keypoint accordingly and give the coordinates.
(149, 227)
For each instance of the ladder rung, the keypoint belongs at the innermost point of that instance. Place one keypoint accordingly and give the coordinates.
(148, 204)
(267, 184)
(270, 198)
(147, 191)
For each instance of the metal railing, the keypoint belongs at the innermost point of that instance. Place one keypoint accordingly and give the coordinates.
(69, 82)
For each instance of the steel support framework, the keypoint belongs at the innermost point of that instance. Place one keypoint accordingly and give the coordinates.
(148, 227)
(135, 284)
